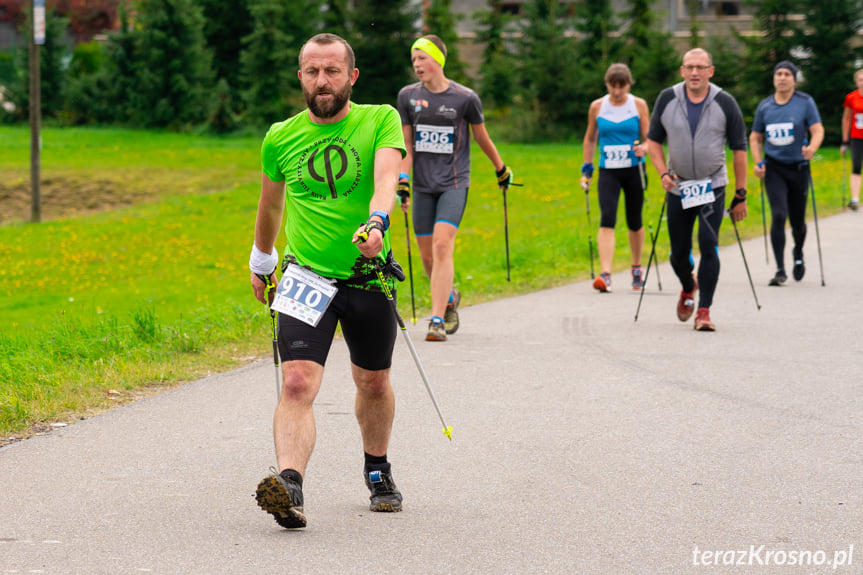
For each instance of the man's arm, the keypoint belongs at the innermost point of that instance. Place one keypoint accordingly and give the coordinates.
(756, 145)
(387, 164)
(846, 127)
(270, 207)
(816, 138)
(738, 160)
(657, 158)
(480, 134)
(406, 166)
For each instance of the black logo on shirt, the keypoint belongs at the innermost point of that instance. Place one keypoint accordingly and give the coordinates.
(327, 162)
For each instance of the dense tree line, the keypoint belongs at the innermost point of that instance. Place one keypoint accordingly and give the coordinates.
(180, 64)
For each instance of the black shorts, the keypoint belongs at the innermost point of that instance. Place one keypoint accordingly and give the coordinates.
(368, 325)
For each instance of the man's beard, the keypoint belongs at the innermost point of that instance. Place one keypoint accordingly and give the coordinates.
(328, 109)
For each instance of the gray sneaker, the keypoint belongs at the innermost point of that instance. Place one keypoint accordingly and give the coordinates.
(450, 316)
(385, 496)
(436, 331)
(283, 499)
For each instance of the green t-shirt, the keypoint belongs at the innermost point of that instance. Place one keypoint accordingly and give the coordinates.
(328, 170)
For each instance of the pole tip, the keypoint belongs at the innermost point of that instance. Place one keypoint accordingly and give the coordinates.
(448, 432)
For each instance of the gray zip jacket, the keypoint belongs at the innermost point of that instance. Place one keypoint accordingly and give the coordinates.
(702, 155)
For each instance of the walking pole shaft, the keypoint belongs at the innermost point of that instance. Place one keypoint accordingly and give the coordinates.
(817, 233)
(650, 259)
(746, 265)
(411, 271)
(506, 232)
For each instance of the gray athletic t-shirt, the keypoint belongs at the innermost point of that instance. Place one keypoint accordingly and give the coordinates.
(441, 134)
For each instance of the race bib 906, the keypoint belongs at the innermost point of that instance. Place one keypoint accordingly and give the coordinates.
(696, 193)
(434, 139)
(303, 294)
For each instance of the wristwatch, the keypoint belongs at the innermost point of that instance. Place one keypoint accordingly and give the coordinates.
(385, 217)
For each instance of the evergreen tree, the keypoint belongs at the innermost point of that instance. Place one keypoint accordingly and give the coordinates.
(497, 84)
(440, 20)
(648, 51)
(225, 26)
(174, 73)
(828, 65)
(761, 53)
(382, 32)
(548, 55)
(270, 59)
(596, 24)
(335, 17)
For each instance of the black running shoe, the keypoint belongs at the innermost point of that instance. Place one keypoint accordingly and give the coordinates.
(283, 499)
(385, 495)
(779, 279)
(799, 270)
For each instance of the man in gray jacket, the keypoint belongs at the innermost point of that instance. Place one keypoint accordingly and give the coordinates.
(696, 119)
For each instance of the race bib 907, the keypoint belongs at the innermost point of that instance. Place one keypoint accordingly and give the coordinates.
(303, 294)
(434, 139)
(696, 193)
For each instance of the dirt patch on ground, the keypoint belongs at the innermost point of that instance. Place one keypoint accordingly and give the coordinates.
(68, 196)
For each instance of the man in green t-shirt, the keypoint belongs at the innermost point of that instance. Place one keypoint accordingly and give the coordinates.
(328, 168)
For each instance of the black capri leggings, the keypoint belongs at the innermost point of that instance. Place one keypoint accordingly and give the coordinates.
(787, 189)
(608, 188)
(856, 155)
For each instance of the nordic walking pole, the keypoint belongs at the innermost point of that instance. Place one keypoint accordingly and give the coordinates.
(270, 287)
(411, 271)
(447, 430)
(844, 178)
(817, 233)
(746, 265)
(506, 232)
(653, 241)
(585, 185)
(764, 221)
(652, 252)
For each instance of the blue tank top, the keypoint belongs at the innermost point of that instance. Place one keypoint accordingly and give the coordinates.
(619, 128)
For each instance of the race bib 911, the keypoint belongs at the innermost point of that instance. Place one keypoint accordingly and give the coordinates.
(303, 294)
(780, 134)
(696, 193)
(434, 139)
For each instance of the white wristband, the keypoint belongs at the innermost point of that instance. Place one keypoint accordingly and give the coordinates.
(261, 263)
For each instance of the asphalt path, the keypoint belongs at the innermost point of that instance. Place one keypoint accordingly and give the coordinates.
(583, 442)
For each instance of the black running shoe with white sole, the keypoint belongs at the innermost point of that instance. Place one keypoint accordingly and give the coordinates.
(283, 499)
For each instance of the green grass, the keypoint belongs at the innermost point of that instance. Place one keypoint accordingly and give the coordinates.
(98, 307)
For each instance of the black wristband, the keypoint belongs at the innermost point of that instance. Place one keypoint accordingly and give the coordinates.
(665, 174)
(374, 224)
(741, 192)
(845, 142)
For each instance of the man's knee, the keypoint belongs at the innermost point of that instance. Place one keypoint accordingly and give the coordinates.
(299, 383)
(372, 383)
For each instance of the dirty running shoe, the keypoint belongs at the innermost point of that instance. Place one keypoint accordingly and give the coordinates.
(702, 320)
(637, 278)
(854, 205)
(450, 316)
(283, 499)
(686, 303)
(437, 331)
(779, 279)
(385, 496)
(603, 282)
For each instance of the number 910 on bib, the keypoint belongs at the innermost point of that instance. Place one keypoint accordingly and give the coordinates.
(303, 295)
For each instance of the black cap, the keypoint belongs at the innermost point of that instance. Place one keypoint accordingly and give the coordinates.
(788, 66)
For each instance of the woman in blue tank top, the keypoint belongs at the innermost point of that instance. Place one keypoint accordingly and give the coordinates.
(618, 122)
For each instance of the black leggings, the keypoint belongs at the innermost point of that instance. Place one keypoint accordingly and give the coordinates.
(856, 155)
(608, 189)
(680, 225)
(787, 189)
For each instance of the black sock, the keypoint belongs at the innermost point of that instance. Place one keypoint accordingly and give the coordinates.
(293, 476)
(376, 462)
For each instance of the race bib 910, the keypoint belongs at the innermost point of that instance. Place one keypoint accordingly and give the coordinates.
(303, 294)
(434, 139)
(696, 193)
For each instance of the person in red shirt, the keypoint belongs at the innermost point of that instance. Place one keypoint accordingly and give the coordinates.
(852, 134)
